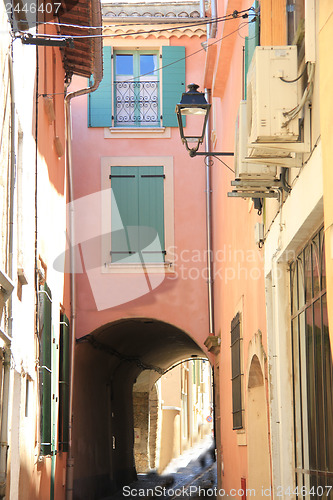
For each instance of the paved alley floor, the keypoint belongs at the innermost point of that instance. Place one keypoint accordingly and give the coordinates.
(191, 475)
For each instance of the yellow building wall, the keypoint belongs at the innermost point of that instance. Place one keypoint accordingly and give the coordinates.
(326, 113)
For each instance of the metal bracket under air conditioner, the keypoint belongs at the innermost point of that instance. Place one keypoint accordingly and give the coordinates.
(253, 194)
(289, 161)
(259, 183)
(258, 188)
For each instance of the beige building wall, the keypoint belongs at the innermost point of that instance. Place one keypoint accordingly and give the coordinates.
(186, 404)
(290, 225)
(326, 109)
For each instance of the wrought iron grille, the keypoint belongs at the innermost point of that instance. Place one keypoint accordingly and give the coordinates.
(136, 103)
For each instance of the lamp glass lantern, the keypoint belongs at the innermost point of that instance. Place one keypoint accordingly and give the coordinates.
(193, 103)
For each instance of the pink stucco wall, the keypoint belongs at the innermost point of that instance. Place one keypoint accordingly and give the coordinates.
(181, 298)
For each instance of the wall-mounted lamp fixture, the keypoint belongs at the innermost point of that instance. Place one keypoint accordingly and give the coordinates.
(193, 103)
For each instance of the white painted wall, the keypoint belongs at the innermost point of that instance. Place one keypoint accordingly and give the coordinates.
(300, 216)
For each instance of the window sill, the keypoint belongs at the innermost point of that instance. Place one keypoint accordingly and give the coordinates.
(241, 437)
(165, 268)
(140, 132)
(138, 129)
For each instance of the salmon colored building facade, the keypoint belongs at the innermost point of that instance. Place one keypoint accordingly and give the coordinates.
(241, 373)
(140, 227)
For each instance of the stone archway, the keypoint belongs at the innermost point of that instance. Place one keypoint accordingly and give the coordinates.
(257, 423)
(108, 362)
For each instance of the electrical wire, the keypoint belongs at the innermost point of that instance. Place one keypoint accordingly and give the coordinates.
(217, 158)
(202, 21)
(252, 20)
(290, 115)
(161, 67)
(190, 55)
(296, 79)
(174, 62)
(142, 32)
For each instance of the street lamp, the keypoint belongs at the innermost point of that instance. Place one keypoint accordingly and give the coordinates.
(193, 103)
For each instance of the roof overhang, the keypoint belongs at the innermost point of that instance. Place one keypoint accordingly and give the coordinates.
(86, 55)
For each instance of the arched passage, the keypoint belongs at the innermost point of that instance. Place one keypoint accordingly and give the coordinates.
(108, 362)
(257, 423)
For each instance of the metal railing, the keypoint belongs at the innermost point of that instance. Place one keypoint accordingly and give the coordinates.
(136, 103)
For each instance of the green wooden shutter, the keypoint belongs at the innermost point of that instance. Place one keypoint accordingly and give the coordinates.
(63, 419)
(236, 373)
(100, 101)
(139, 199)
(151, 213)
(45, 325)
(173, 83)
(124, 184)
(251, 41)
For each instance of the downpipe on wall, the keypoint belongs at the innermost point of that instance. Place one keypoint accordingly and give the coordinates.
(211, 26)
(210, 284)
(210, 259)
(97, 75)
(210, 33)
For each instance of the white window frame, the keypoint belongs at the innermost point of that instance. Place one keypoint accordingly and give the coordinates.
(136, 52)
(119, 44)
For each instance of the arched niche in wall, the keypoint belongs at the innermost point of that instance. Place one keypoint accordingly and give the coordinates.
(257, 419)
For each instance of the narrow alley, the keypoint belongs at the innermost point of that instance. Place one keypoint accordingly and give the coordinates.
(166, 250)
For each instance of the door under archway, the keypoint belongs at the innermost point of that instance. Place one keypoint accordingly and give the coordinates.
(257, 430)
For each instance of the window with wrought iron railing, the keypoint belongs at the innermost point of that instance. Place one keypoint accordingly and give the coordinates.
(131, 95)
(136, 89)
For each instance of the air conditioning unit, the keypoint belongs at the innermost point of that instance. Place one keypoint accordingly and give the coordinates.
(271, 92)
(245, 169)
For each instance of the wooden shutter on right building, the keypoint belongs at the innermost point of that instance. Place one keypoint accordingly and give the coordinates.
(251, 41)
